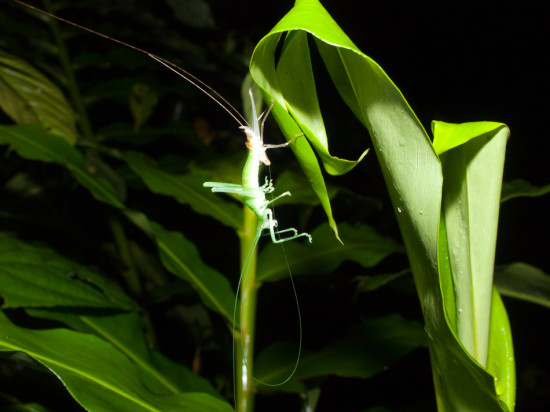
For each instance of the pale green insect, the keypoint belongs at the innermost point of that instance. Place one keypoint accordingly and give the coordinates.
(250, 191)
(254, 196)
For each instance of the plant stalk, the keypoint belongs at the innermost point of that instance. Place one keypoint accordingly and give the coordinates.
(244, 341)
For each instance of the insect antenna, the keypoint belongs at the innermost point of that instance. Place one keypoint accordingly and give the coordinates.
(199, 84)
(195, 81)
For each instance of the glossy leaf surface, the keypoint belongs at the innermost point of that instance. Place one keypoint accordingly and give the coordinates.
(96, 374)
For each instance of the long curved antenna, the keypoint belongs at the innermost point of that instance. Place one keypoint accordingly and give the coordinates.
(195, 81)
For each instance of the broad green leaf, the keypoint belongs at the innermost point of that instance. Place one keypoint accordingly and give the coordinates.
(125, 332)
(362, 245)
(471, 199)
(98, 376)
(414, 178)
(32, 142)
(27, 96)
(522, 281)
(368, 349)
(181, 257)
(185, 189)
(32, 276)
(519, 187)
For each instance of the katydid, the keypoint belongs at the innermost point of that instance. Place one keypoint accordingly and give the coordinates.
(252, 194)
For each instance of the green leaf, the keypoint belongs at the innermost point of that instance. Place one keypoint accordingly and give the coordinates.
(124, 331)
(33, 143)
(97, 375)
(472, 174)
(414, 178)
(519, 188)
(34, 276)
(27, 96)
(362, 245)
(181, 257)
(185, 189)
(368, 349)
(298, 112)
(523, 281)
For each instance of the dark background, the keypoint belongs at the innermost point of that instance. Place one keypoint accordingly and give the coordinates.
(454, 62)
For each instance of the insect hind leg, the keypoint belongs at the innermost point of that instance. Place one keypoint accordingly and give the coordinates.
(272, 224)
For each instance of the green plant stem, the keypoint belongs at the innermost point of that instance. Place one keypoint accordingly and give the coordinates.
(244, 341)
(72, 84)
